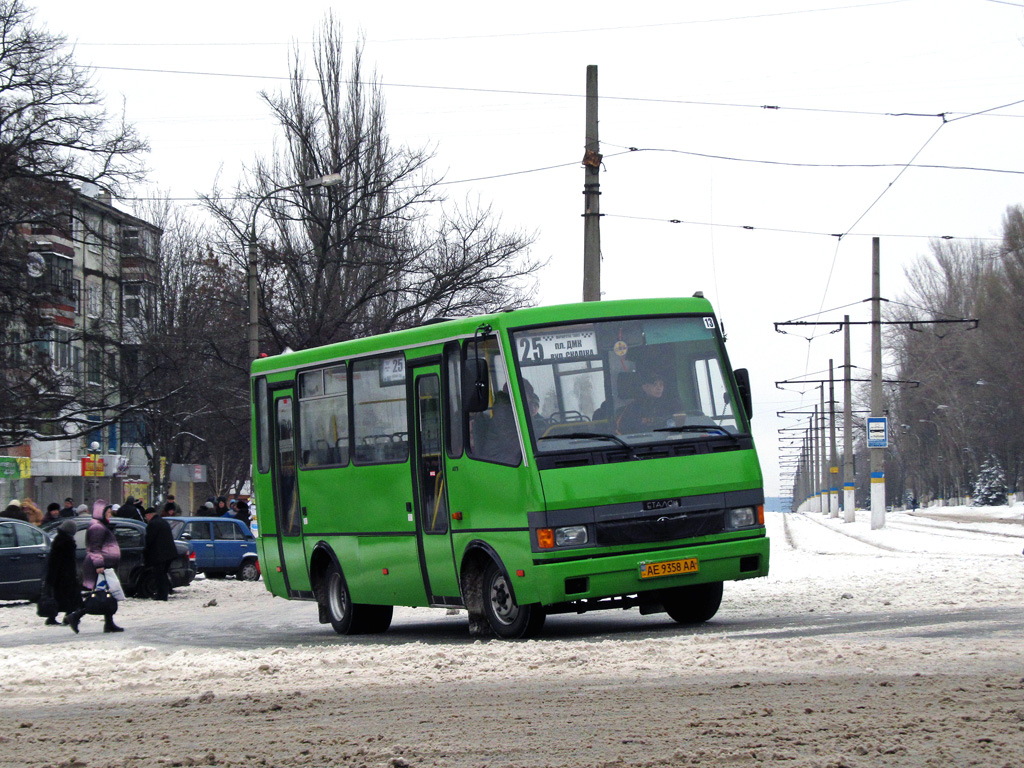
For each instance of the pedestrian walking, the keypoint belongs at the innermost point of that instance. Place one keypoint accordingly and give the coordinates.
(32, 512)
(171, 508)
(242, 512)
(14, 511)
(159, 550)
(68, 510)
(61, 581)
(102, 552)
(52, 512)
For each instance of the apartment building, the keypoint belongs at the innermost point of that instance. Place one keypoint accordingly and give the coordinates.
(95, 281)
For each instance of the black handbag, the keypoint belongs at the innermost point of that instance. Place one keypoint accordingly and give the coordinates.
(47, 605)
(99, 602)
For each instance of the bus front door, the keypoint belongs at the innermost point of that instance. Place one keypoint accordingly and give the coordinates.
(437, 558)
(288, 513)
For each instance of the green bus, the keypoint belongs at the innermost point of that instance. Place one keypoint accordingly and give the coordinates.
(544, 460)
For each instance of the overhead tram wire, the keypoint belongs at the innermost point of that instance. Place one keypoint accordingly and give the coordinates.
(551, 94)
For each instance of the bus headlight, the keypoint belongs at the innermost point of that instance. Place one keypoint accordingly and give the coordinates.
(742, 517)
(571, 536)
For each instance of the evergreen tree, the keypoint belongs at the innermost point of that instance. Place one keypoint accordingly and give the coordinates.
(990, 487)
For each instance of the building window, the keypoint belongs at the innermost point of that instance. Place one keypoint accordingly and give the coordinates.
(93, 372)
(132, 297)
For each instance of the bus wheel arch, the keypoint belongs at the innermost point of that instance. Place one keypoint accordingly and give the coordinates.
(490, 600)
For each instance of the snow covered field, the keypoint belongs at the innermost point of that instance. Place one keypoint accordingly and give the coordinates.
(902, 646)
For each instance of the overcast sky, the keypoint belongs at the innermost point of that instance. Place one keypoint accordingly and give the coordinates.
(497, 91)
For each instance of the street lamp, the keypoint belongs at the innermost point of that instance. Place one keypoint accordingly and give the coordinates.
(329, 180)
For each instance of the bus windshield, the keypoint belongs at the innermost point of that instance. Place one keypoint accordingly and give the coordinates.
(641, 380)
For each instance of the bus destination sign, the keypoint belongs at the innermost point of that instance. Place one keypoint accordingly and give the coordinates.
(567, 345)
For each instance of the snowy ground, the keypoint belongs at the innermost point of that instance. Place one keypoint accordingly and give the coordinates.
(898, 647)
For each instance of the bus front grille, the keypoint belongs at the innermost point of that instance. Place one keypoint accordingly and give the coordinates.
(660, 528)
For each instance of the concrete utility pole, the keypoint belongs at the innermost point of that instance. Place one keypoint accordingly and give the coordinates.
(833, 462)
(592, 196)
(877, 403)
(849, 486)
(823, 443)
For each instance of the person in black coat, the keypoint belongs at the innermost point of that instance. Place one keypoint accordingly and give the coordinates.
(159, 550)
(61, 579)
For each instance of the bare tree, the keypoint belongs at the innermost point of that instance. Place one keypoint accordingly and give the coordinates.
(178, 359)
(55, 135)
(377, 250)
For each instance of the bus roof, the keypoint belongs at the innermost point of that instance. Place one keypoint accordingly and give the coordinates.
(435, 332)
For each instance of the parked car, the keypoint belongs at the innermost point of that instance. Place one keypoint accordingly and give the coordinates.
(131, 537)
(224, 546)
(23, 552)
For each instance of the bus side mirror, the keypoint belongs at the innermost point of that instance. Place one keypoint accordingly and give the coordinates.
(475, 385)
(743, 385)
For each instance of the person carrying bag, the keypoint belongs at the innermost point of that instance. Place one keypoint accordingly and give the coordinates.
(102, 555)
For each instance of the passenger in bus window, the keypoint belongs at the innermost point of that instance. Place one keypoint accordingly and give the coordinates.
(651, 409)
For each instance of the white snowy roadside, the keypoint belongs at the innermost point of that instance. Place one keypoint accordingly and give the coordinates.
(821, 569)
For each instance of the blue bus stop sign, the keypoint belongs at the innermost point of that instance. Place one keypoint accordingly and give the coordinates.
(878, 432)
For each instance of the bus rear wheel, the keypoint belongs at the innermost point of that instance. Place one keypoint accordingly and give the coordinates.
(346, 617)
(694, 604)
(337, 601)
(506, 617)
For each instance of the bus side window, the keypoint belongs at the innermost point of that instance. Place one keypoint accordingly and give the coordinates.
(455, 437)
(381, 420)
(493, 435)
(262, 412)
(323, 417)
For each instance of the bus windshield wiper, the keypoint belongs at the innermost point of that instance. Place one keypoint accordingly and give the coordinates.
(708, 428)
(594, 436)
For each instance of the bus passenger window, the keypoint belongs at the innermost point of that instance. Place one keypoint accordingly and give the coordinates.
(493, 434)
(323, 417)
(381, 422)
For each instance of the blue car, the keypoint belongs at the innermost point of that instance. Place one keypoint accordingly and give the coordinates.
(223, 546)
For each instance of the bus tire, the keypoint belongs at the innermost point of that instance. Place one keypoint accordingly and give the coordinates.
(694, 604)
(337, 602)
(374, 619)
(506, 617)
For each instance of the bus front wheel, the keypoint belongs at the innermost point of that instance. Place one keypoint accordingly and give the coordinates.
(506, 617)
(695, 604)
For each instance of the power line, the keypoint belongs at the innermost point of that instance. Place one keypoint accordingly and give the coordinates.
(556, 94)
(793, 164)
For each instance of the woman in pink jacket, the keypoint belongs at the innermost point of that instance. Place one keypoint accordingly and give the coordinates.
(101, 552)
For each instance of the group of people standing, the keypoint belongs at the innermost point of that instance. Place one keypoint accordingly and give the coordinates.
(102, 557)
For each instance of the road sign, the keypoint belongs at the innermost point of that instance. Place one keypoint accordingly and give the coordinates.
(878, 432)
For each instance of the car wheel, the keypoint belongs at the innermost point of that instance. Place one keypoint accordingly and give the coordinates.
(249, 571)
(506, 617)
(694, 604)
(146, 584)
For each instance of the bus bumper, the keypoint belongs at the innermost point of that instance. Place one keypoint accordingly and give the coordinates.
(615, 575)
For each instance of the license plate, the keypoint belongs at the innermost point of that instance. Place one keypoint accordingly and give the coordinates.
(668, 568)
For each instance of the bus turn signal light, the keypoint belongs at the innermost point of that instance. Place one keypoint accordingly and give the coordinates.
(760, 514)
(545, 538)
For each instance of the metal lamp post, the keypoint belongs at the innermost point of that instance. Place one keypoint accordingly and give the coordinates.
(329, 180)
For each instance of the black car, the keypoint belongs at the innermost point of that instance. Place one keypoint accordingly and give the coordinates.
(131, 537)
(23, 552)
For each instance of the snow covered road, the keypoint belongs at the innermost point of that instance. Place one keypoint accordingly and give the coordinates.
(902, 647)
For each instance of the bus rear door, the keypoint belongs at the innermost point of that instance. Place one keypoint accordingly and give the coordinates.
(286, 498)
